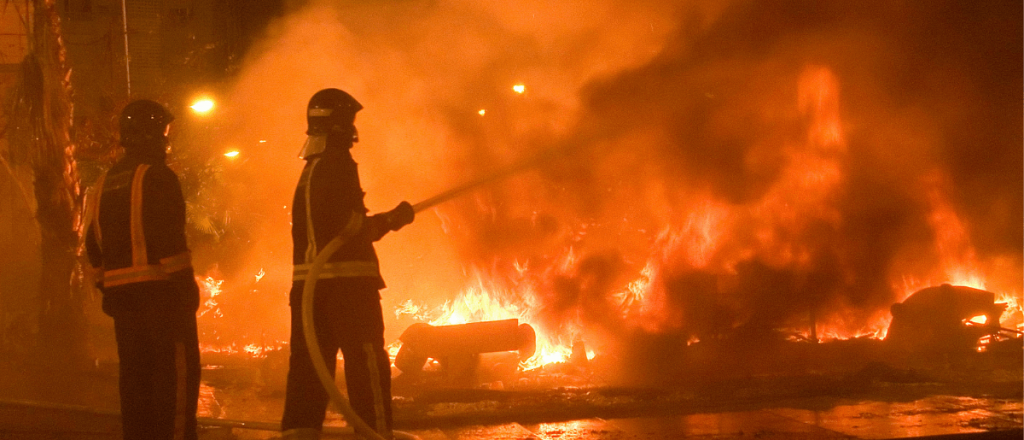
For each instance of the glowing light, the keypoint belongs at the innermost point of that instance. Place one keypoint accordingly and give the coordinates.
(253, 350)
(392, 349)
(260, 275)
(211, 286)
(412, 309)
(263, 141)
(519, 88)
(482, 112)
(1011, 318)
(232, 153)
(980, 319)
(202, 106)
(489, 300)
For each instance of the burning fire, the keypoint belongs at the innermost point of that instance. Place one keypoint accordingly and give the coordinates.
(715, 184)
(483, 302)
(212, 313)
(696, 277)
(252, 350)
(705, 253)
(698, 264)
(958, 262)
(211, 287)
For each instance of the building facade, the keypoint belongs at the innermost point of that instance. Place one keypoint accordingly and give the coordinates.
(159, 49)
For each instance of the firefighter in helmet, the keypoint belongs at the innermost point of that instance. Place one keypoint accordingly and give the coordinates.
(136, 245)
(328, 203)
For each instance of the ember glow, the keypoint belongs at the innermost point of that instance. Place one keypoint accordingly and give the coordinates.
(250, 350)
(210, 288)
(219, 322)
(260, 275)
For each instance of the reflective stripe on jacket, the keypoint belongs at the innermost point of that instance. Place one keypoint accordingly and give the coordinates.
(144, 264)
(328, 204)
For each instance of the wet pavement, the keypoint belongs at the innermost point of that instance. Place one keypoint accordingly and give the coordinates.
(932, 417)
(238, 403)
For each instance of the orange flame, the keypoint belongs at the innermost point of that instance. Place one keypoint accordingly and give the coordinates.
(489, 302)
(952, 239)
(211, 287)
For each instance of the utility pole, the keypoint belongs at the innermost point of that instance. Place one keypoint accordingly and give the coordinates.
(127, 56)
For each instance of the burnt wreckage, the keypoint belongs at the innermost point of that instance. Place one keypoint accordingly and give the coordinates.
(942, 321)
(948, 320)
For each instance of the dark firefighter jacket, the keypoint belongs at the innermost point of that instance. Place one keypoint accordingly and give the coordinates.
(136, 226)
(329, 203)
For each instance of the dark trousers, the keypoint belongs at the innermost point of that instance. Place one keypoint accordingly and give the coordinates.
(347, 319)
(158, 350)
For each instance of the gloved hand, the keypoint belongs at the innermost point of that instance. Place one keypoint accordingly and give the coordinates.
(400, 216)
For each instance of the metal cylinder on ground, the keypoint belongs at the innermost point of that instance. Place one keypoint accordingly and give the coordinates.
(423, 341)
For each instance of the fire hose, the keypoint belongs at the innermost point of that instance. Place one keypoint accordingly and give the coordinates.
(502, 173)
(313, 345)
(308, 291)
(201, 421)
(359, 426)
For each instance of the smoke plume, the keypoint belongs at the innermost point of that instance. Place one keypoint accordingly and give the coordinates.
(708, 168)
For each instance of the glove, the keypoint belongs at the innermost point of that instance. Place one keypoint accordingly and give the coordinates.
(400, 216)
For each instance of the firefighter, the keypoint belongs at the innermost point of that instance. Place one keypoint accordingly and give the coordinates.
(328, 203)
(136, 245)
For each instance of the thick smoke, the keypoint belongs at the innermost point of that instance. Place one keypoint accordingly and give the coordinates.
(423, 72)
(836, 147)
(709, 170)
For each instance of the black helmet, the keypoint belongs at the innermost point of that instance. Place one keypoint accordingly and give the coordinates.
(144, 124)
(331, 110)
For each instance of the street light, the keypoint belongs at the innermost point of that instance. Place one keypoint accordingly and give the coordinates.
(202, 106)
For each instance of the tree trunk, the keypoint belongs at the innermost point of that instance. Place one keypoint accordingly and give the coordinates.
(38, 131)
(62, 313)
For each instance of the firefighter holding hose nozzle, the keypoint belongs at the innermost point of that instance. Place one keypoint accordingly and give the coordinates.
(136, 245)
(328, 204)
